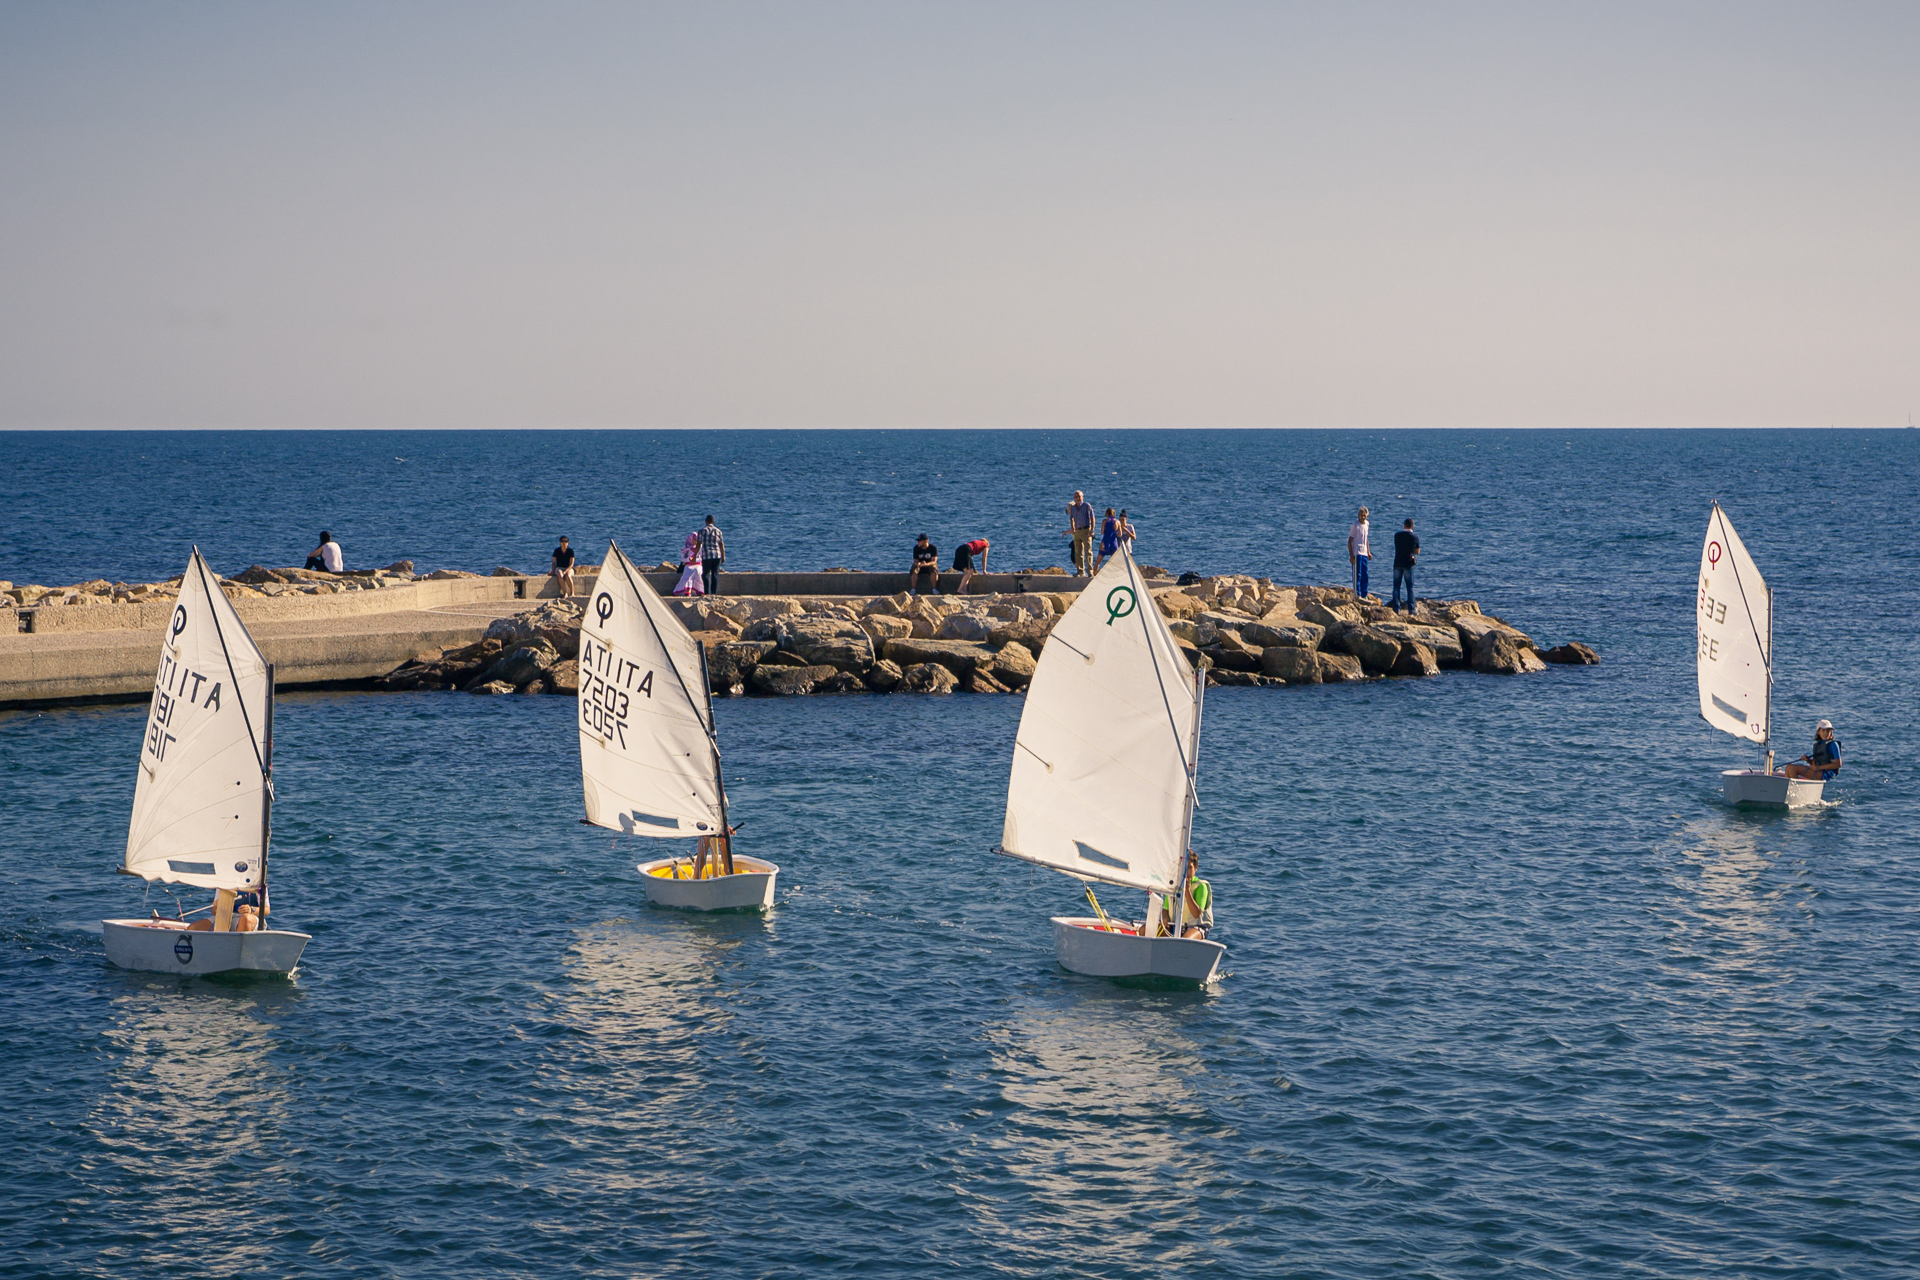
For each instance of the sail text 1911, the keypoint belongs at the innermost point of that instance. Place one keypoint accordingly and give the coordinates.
(178, 691)
(608, 685)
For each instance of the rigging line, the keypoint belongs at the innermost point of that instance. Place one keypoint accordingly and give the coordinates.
(626, 569)
(1763, 646)
(1139, 607)
(1035, 754)
(214, 613)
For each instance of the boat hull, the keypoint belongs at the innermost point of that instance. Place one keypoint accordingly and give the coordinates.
(1776, 790)
(750, 888)
(165, 947)
(1082, 946)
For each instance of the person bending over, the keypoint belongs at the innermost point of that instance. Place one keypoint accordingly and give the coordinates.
(1823, 762)
(963, 562)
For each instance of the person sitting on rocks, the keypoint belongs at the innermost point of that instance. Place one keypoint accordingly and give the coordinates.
(327, 555)
(1824, 761)
(926, 560)
(963, 562)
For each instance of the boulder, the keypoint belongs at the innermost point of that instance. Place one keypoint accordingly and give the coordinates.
(966, 626)
(1474, 626)
(841, 682)
(564, 676)
(1030, 635)
(255, 574)
(927, 677)
(1290, 633)
(1415, 659)
(1013, 666)
(492, 686)
(824, 641)
(400, 566)
(959, 657)
(1376, 650)
(533, 686)
(1176, 604)
(1194, 632)
(888, 606)
(883, 676)
(1329, 616)
(1245, 679)
(732, 661)
(983, 682)
(1506, 653)
(443, 575)
(781, 658)
(524, 662)
(1444, 641)
(787, 682)
(1295, 666)
(1226, 659)
(1335, 667)
(1571, 654)
(718, 621)
(883, 627)
(501, 571)
(1278, 603)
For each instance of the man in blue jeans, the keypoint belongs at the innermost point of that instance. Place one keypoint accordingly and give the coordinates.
(1405, 548)
(1357, 553)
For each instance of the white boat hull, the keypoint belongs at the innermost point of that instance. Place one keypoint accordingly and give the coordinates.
(1752, 786)
(1082, 945)
(166, 947)
(749, 888)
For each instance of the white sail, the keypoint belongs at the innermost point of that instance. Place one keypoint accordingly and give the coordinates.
(1100, 765)
(200, 804)
(1733, 622)
(648, 762)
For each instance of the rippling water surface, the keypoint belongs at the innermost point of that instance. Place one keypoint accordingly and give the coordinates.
(1509, 992)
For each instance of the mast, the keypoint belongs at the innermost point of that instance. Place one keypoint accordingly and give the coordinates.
(719, 782)
(266, 800)
(1768, 740)
(1193, 783)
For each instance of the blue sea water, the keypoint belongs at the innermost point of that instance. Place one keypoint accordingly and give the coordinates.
(1510, 991)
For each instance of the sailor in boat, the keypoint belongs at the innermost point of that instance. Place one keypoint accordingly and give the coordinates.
(1823, 762)
(1196, 915)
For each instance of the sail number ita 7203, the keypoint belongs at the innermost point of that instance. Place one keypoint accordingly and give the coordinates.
(608, 685)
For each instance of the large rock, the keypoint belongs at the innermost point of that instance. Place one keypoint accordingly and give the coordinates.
(841, 682)
(1473, 627)
(1289, 633)
(982, 681)
(731, 662)
(959, 657)
(883, 627)
(1176, 604)
(564, 677)
(1295, 666)
(1228, 659)
(1443, 641)
(1571, 654)
(825, 641)
(1415, 659)
(1195, 632)
(1330, 616)
(493, 687)
(1245, 679)
(1278, 604)
(883, 676)
(1505, 653)
(1376, 650)
(1014, 666)
(788, 682)
(525, 662)
(966, 626)
(1336, 667)
(927, 677)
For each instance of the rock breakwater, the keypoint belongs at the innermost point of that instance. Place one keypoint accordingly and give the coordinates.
(1242, 630)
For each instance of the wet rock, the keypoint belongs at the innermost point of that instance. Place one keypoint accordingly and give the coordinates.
(1376, 650)
(528, 661)
(493, 687)
(1014, 665)
(1336, 667)
(1571, 654)
(1295, 666)
(883, 676)
(927, 677)
(1290, 633)
(731, 661)
(841, 682)
(533, 686)
(788, 682)
(1415, 659)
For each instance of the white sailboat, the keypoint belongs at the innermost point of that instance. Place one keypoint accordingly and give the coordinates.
(1733, 624)
(649, 757)
(1103, 778)
(203, 803)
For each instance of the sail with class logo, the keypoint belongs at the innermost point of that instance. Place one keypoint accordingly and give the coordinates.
(648, 761)
(1733, 622)
(202, 801)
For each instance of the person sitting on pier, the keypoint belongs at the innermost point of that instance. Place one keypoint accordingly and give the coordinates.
(1824, 761)
(327, 555)
(926, 560)
(563, 567)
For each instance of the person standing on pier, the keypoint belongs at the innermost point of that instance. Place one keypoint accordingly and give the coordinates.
(1080, 526)
(713, 554)
(563, 567)
(327, 555)
(1109, 540)
(1357, 554)
(963, 561)
(1406, 548)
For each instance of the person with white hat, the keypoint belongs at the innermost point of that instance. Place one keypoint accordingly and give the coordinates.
(1824, 761)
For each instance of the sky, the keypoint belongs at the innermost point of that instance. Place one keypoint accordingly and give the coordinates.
(971, 215)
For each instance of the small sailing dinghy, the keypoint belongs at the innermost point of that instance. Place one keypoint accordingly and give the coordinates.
(203, 803)
(1104, 770)
(1733, 622)
(649, 757)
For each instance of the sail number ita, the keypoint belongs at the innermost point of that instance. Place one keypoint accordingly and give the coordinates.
(608, 686)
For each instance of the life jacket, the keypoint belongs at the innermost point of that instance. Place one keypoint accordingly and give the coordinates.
(1825, 754)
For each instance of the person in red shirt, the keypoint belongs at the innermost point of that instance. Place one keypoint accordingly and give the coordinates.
(963, 561)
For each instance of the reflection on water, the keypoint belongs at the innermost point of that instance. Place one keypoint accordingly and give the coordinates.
(1731, 913)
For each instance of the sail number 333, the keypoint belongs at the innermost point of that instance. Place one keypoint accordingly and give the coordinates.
(1710, 610)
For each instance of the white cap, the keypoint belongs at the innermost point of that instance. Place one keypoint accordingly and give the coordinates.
(1824, 724)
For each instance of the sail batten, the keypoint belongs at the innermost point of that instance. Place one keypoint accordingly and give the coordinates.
(1733, 624)
(1101, 778)
(199, 801)
(647, 750)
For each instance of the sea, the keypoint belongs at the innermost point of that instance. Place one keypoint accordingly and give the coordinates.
(1510, 991)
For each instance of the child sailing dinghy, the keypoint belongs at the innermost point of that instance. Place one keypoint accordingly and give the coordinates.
(649, 758)
(203, 803)
(1733, 617)
(1102, 785)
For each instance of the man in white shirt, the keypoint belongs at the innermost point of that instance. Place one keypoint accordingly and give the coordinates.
(326, 555)
(1357, 554)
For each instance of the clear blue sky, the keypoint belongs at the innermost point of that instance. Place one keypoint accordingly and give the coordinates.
(964, 214)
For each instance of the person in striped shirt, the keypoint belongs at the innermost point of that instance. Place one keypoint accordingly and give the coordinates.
(713, 554)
